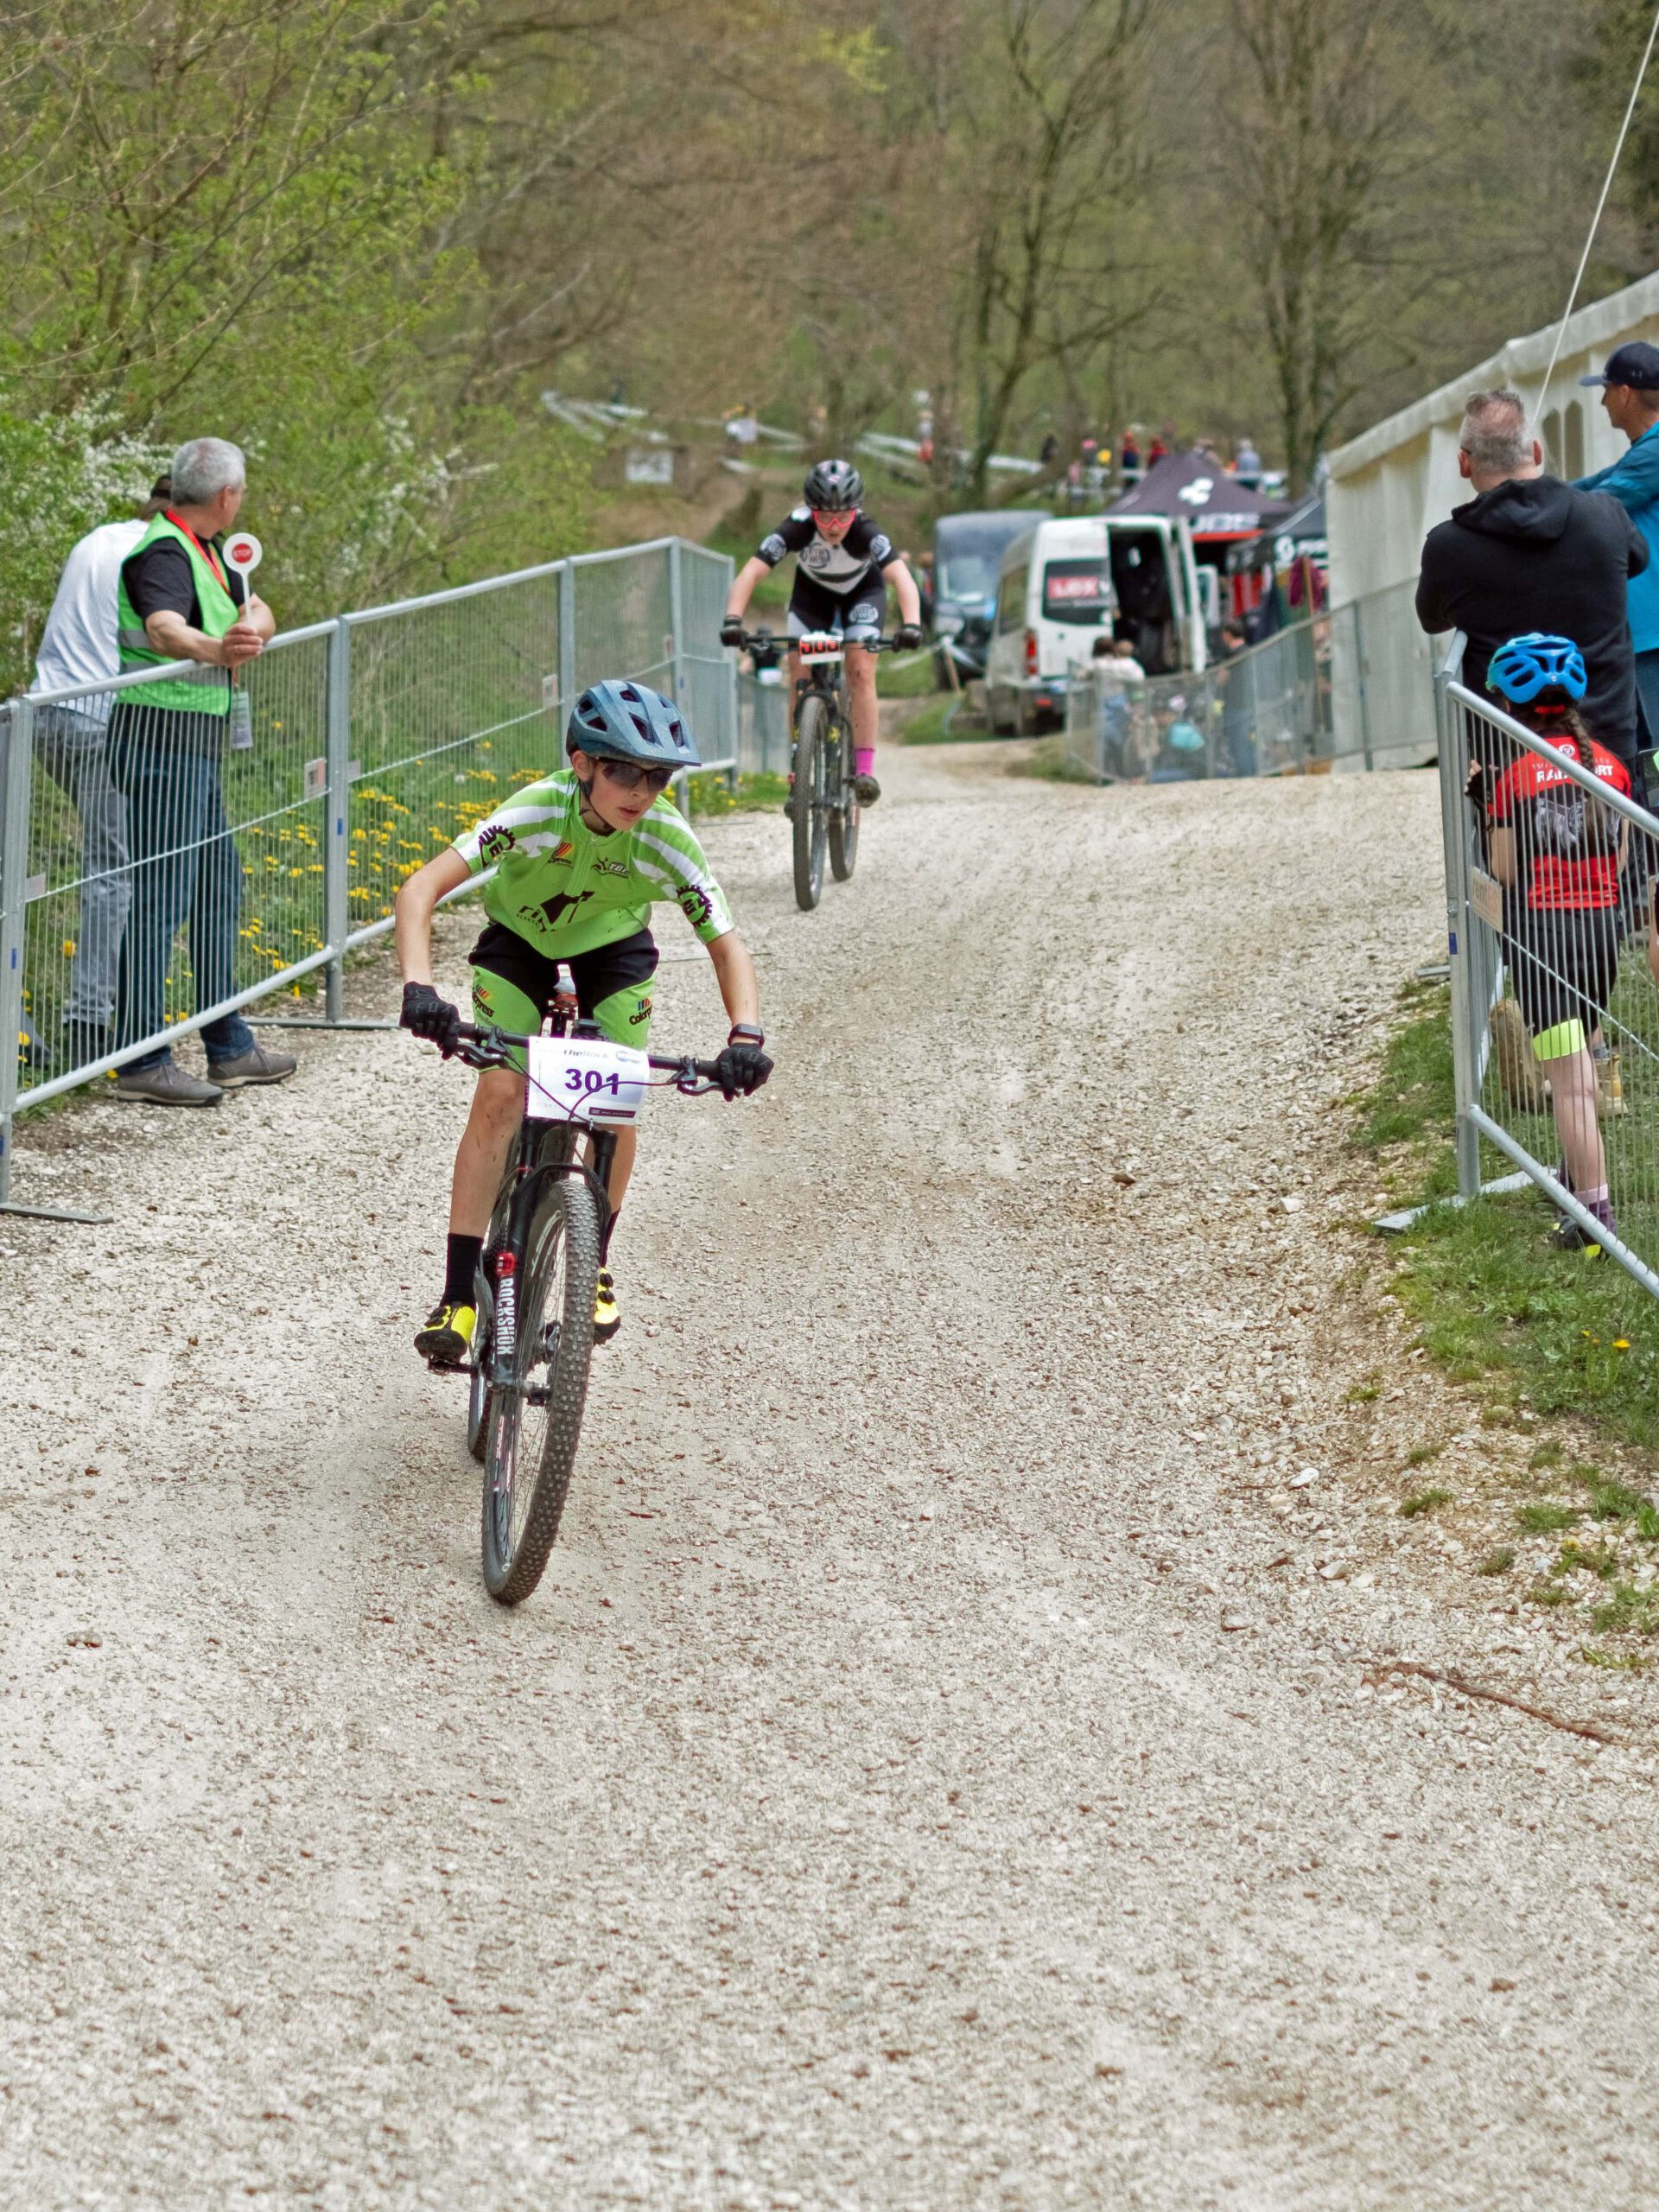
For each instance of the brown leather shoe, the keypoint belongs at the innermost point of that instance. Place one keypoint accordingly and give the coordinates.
(166, 1084)
(255, 1065)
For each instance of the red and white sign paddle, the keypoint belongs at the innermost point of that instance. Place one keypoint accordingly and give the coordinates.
(244, 553)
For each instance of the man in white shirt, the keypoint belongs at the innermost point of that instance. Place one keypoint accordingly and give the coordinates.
(78, 645)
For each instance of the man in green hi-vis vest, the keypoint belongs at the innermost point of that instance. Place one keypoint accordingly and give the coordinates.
(178, 600)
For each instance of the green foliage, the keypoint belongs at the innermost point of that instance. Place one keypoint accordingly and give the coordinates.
(1544, 1520)
(1564, 1332)
(246, 221)
(1423, 1501)
(1627, 1611)
(1498, 1562)
(712, 794)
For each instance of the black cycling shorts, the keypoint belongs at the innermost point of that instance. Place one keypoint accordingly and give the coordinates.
(1563, 965)
(857, 613)
(513, 984)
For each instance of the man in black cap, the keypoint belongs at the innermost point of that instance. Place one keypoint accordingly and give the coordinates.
(1528, 552)
(1629, 395)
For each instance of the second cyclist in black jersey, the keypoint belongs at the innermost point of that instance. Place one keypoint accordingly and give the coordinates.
(843, 564)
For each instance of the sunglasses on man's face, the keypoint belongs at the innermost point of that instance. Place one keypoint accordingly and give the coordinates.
(627, 776)
(822, 515)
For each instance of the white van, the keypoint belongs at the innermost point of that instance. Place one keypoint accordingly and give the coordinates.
(1054, 600)
(1159, 587)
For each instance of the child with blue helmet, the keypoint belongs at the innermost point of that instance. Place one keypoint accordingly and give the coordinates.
(572, 865)
(1557, 850)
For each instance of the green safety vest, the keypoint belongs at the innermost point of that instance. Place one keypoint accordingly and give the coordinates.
(206, 691)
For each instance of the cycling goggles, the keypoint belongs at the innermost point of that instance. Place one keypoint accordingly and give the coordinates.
(628, 775)
(822, 515)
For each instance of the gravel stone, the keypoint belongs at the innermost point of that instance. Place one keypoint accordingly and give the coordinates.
(871, 1810)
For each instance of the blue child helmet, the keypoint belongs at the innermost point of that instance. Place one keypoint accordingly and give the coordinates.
(619, 721)
(1522, 669)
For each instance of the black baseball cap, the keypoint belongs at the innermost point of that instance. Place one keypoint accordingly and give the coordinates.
(1636, 365)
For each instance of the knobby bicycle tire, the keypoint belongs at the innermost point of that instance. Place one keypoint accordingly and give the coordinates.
(812, 726)
(558, 1267)
(843, 817)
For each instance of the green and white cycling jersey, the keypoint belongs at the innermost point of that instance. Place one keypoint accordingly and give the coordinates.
(567, 891)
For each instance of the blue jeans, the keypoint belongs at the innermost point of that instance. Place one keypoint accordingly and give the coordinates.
(70, 745)
(186, 870)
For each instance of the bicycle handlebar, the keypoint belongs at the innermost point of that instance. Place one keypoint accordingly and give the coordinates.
(764, 641)
(489, 1047)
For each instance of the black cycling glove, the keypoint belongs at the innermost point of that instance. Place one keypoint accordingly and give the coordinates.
(730, 630)
(743, 1067)
(907, 637)
(431, 1017)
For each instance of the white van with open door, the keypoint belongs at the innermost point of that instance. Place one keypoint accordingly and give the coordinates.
(1159, 589)
(1054, 600)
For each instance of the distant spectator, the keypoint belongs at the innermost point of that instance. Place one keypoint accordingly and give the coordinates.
(1629, 395)
(1049, 452)
(179, 602)
(1238, 737)
(1530, 553)
(1247, 464)
(1158, 450)
(1118, 706)
(1130, 465)
(78, 645)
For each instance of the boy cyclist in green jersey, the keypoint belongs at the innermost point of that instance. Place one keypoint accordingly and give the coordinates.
(579, 859)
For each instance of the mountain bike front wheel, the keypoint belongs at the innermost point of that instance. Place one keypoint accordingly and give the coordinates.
(812, 735)
(543, 1331)
(844, 819)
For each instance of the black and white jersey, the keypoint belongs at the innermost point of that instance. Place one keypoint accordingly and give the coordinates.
(844, 568)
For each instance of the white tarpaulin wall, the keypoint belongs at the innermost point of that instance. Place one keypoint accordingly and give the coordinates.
(1389, 487)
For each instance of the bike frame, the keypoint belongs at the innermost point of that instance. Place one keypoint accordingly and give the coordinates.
(546, 1145)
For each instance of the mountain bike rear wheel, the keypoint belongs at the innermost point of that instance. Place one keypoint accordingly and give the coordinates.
(543, 1328)
(811, 730)
(844, 819)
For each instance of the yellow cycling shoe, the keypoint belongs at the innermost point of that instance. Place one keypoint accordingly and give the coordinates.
(448, 1336)
(607, 1319)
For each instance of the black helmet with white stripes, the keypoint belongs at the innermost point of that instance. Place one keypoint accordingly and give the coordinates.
(834, 486)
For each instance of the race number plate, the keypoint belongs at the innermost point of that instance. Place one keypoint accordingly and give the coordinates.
(818, 645)
(585, 1079)
(1486, 897)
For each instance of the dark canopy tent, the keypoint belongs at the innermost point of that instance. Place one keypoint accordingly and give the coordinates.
(1195, 484)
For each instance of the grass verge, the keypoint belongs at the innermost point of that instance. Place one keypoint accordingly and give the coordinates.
(1560, 1331)
(711, 794)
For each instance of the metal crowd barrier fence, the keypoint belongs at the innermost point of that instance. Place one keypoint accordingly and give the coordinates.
(1555, 973)
(163, 867)
(1266, 712)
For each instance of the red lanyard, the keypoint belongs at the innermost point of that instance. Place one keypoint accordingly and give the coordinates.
(205, 552)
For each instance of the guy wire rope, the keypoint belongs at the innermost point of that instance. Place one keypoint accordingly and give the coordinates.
(1595, 220)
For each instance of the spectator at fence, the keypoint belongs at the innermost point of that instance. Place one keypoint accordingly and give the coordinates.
(1130, 465)
(177, 600)
(1629, 395)
(71, 743)
(1557, 850)
(1247, 462)
(1530, 553)
(1119, 703)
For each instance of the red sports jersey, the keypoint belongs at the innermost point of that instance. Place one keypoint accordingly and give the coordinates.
(1565, 865)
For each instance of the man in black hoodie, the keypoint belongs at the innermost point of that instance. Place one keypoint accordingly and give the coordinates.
(1530, 553)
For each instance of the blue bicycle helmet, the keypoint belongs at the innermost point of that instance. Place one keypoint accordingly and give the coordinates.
(1525, 669)
(619, 721)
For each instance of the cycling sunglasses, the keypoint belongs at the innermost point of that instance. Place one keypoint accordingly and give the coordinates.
(833, 514)
(628, 775)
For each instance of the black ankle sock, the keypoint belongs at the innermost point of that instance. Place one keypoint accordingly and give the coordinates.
(461, 1265)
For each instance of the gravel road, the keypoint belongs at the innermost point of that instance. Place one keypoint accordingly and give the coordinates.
(947, 1764)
